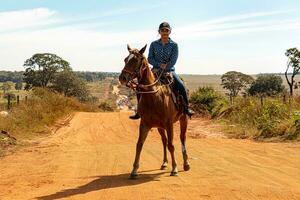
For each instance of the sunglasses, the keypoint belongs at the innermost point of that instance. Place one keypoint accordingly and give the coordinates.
(164, 30)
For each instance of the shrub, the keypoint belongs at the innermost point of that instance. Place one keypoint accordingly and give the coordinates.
(206, 100)
(269, 120)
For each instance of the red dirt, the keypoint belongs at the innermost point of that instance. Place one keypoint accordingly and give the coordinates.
(91, 158)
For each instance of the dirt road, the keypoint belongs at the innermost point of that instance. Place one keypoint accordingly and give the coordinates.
(91, 159)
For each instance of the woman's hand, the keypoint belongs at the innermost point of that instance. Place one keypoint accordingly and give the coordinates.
(163, 65)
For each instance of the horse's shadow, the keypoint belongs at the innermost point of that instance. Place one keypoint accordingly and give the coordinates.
(105, 182)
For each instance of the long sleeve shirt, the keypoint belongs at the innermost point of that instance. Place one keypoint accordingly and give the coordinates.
(162, 54)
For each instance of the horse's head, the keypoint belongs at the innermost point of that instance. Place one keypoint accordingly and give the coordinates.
(133, 64)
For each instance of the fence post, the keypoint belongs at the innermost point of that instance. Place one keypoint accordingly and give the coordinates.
(18, 100)
(25, 99)
(8, 102)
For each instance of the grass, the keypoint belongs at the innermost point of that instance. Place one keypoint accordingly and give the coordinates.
(21, 93)
(244, 119)
(274, 120)
(39, 113)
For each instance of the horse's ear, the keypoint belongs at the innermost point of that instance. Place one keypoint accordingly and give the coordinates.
(128, 48)
(143, 49)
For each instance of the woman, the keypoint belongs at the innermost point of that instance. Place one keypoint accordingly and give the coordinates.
(163, 53)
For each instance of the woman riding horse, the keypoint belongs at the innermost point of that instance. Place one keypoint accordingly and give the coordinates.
(155, 106)
(163, 54)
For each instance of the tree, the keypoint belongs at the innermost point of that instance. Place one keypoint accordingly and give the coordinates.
(7, 86)
(266, 85)
(68, 83)
(293, 55)
(42, 68)
(18, 85)
(235, 82)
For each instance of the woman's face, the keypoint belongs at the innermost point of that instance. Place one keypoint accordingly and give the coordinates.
(164, 33)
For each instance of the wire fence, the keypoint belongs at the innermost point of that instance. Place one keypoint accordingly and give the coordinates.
(10, 101)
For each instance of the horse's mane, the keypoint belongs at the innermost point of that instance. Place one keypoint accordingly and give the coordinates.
(149, 76)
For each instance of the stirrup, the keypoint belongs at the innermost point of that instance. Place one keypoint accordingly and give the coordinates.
(189, 112)
(136, 116)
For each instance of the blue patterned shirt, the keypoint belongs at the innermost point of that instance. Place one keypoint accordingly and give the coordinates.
(167, 53)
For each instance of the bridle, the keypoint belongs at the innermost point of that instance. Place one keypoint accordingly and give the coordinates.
(139, 73)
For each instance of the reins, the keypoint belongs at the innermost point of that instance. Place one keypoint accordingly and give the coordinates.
(134, 86)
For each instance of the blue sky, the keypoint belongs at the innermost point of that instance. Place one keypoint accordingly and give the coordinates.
(214, 36)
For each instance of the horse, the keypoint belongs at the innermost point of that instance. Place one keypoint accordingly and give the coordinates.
(156, 108)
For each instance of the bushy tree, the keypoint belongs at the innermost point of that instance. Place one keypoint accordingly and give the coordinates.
(42, 68)
(51, 71)
(68, 83)
(266, 85)
(235, 82)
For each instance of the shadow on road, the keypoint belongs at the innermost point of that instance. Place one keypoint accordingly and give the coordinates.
(105, 182)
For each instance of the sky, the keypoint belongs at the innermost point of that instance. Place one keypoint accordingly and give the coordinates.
(216, 36)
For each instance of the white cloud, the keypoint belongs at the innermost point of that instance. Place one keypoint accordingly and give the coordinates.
(237, 24)
(248, 16)
(85, 47)
(13, 20)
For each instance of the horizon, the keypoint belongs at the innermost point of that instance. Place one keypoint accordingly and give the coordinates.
(250, 36)
(185, 74)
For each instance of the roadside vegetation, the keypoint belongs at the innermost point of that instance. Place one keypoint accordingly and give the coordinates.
(47, 93)
(261, 108)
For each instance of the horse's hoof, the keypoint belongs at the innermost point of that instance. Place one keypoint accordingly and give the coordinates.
(163, 167)
(174, 173)
(133, 176)
(186, 167)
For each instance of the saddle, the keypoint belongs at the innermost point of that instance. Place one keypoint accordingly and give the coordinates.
(166, 78)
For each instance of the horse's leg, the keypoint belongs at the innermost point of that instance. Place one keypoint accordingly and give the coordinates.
(171, 148)
(164, 141)
(143, 132)
(183, 126)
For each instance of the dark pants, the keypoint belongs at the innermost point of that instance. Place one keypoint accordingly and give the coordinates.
(179, 85)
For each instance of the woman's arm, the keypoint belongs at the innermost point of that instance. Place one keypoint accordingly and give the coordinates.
(151, 58)
(173, 58)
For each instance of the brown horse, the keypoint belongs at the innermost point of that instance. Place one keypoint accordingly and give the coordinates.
(156, 109)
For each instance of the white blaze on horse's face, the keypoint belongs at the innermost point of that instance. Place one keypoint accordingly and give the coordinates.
(130, 57)
(126, 77)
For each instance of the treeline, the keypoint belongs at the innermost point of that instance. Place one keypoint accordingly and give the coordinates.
(12, 76)
(17, 76)
(95, 76)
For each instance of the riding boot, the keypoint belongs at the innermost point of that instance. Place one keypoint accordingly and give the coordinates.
(136, 116)
(189, 112)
